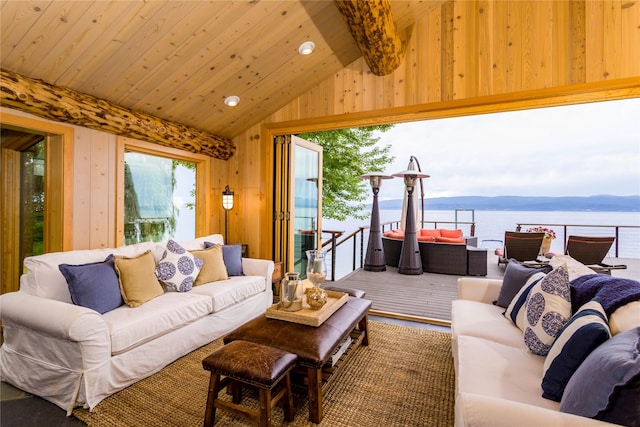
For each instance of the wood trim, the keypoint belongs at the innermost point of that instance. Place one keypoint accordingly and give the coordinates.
(59, 194)
(567, 95)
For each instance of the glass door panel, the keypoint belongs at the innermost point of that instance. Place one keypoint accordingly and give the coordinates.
(306, 201)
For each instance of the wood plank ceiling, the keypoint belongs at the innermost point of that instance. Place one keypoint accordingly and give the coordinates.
(179, 60)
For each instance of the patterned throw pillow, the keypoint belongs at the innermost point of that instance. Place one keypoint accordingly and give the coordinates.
(582, 334)
(516, 276)
(178, 269)
(516, 309)
(548, 308)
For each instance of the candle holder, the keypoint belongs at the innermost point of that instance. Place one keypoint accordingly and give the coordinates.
(316, 274)
(291, 292)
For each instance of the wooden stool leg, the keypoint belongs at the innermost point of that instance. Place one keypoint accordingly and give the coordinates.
(264, 418)
(212, 395)
(287, 404)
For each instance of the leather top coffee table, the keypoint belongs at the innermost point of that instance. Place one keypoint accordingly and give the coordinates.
(313, 345)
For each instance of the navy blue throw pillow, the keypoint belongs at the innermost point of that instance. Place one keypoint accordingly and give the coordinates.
(94, 285)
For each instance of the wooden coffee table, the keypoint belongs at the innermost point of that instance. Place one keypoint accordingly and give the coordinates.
(312, 345)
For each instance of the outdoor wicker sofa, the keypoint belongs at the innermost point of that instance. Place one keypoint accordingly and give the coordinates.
(440, 257)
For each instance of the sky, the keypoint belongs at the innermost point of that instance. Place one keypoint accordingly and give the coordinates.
(579, 150)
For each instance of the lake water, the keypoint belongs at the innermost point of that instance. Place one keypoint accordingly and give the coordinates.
(491, 225)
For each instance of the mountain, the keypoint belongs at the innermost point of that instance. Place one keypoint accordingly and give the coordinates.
(600, 203)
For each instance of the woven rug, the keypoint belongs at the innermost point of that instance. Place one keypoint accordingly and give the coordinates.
(404, 377)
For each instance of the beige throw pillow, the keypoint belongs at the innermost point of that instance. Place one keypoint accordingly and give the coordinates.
(213, 268)
(137, 277)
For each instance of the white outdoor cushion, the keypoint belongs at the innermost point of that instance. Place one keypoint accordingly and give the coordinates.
(501, 371)
(131, 327)
(225, 293)
(482, 320)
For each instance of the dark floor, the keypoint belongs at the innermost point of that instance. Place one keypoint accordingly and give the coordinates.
(20, 409)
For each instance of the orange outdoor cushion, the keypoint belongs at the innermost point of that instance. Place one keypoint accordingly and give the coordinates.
(426, 239)
(430, 232)
(459, 240)
(450, 233)
(394, 234)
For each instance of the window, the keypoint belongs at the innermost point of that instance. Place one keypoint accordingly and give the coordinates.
(32, 196)
(159, 198)
(164, 193)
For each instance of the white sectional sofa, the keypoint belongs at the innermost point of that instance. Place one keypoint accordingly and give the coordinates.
(498, 379)
(75, 356)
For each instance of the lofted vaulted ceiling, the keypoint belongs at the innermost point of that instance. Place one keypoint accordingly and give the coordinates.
(179, 60)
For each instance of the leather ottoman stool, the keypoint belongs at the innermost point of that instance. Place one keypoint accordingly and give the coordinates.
(242, 362)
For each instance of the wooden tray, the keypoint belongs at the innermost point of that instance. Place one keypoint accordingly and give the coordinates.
(309, 316)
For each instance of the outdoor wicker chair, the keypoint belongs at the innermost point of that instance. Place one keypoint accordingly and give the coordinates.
(520, 246)
(591, 251)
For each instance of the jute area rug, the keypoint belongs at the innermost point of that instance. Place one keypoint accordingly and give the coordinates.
(404, 377)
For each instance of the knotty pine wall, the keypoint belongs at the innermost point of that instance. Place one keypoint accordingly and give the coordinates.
(464, 57)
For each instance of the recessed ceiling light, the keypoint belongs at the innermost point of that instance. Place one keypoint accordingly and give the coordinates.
(307, 48)
(231, 101)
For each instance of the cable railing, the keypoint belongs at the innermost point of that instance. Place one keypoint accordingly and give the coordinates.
(358, 249)
(565, 231)
(357, 237)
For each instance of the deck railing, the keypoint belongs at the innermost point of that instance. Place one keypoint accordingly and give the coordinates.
(565, 230)
(357, 238)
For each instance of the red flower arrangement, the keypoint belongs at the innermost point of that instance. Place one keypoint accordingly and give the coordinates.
(548, 233)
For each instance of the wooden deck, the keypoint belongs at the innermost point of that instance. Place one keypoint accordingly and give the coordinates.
(428, 297)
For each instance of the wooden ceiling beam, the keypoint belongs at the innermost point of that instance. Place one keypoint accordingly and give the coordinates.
(373, 28)
(62, 104)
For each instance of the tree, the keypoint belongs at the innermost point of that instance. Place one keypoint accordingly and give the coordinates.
(347, 154)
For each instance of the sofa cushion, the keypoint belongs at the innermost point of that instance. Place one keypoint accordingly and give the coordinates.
(426, 239)
(606, 386)
(625, 318)
(482, 320)
(516, 275)
(501, 371)
(430, 232)
(453, 240)
(93, 285)
(45, 280)
(132, 327)
(548, 308)
(229, 292)
(450, 233)
(178, 269)
(138, 281)
(582, 334)
(517, 307)
(213, 268)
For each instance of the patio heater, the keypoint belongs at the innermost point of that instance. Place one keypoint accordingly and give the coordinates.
(374, 260)
(410, 262)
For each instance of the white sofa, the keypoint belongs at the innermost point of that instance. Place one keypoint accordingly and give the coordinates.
(74, 356)
(498, 380)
